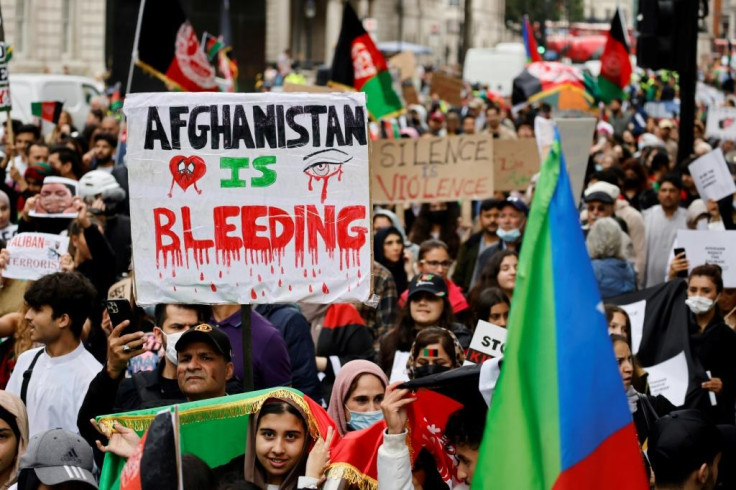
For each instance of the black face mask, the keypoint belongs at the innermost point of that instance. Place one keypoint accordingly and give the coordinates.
(631, 183)
(438, 217)
(428, 370)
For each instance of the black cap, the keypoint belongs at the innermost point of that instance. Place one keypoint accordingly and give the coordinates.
(209, 335)
(430, 283)
(516, 203)
(680, 443)
(599, 196)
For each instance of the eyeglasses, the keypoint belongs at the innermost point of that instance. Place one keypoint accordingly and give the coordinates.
(435, 264)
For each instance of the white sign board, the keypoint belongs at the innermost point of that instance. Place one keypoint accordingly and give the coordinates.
(670, 379)
(711, 176)
(576, 136)
(636, 313)
(249, 198)
(488, 341)
(34, 255)
(721, 123)
(711, 247)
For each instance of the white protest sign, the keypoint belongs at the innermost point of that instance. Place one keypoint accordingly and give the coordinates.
(488, 341)
(636, 316)
(711, 176)
(721, 123)
(56, 199)
(670, 379)
(708, 95)
(245, 198)
(34, 255)
(711, 247)
(398, 368)
(576, 136)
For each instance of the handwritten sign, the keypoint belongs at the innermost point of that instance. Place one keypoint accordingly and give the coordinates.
(670, 379)
(409, 93)
(244, 198)
(516, 162)
(312, 89)
(711, 247)
(721, 123)
(488, 341)
(405, 62)
(432, 169)
(450, 89)
(5, 103)
(34, 255)
(712, 177)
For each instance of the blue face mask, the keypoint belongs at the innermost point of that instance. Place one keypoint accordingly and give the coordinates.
(508, 235)
(363, 420)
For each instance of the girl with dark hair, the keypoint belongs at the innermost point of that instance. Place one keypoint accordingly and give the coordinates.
(439, 221)
(13, 437)
(492, 306)
(636, 188)
(388, 250)
(499, 272)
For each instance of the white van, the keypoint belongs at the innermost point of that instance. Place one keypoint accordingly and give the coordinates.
(497, 67)
(75, 92)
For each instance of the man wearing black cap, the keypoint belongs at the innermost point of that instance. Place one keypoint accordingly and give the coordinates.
(204, 362)
(684, 451)
(512, 215)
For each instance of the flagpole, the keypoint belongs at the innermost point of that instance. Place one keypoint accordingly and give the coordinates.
(134, 54)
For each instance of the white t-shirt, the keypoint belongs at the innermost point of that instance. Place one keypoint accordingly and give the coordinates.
(17, 163)
(57, 388)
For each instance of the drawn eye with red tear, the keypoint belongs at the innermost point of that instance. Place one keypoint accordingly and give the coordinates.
(323, 165)
(186, 171)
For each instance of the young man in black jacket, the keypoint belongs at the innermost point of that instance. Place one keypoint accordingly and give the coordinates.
(467, 258)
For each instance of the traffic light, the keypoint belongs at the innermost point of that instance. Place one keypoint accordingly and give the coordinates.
(659, 44)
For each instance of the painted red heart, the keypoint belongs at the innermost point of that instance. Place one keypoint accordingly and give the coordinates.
(187, 170)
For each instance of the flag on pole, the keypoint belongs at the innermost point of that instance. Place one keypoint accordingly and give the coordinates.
(47, 111)
(156, 463)
(116, 101)
(169, 50)
(226, 59)
(615, 62)
(559, 418)
(212, 45)
(530, 44)
(358, 64)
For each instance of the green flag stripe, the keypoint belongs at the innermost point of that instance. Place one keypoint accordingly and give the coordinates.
(607, 90)
(380, 97)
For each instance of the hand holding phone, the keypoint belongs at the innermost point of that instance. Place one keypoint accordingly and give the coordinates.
(119, 311)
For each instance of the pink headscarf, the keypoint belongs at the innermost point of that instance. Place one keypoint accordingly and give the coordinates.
(344, 379)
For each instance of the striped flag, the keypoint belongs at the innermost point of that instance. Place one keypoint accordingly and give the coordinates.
(48, 111)
(559, 418)
(615, 63)
(530, 44)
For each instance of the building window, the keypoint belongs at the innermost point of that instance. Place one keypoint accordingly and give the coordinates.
(454, 3)
(67, 21)
(21, 18)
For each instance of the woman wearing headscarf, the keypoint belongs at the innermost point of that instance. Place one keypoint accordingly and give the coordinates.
(388, 250)
(7, 228)
(435, 350)
(357, 395)
(13, 437)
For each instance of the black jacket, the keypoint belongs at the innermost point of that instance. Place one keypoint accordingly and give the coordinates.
(466, 260)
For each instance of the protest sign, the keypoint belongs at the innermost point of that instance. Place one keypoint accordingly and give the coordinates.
(577, 138)
(405, 63)
(670, 379)
(398, 368)
(311, 89)
(243, 198)
(4, 78)
(711, 247)
(432, 169)
(708, 95)
(488, 341)
(33, 255)
(721, 123)
(636, 313)
(712, 177)
(662, 110)
(450, 89)
(515, 163)
(409, 93)
(56, 199)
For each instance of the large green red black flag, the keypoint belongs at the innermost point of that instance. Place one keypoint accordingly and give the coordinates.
(168, 48)
(615, 62)
(357, 63)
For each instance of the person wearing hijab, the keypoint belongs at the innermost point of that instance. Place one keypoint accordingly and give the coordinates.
(13, 437)
(7, 228)
(357, 395)
(388, 250)
(435, 350)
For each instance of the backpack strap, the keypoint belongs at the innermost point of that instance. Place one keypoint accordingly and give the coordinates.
(27, 376)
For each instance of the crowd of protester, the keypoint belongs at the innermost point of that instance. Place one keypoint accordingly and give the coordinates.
(438, 269)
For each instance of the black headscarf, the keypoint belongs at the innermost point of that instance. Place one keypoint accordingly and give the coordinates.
(396, 268)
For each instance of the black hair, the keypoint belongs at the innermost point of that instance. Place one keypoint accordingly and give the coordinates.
(67, 293)
(487, 299)
(278, 407)
(111, 139)
(40, 143)
(672, 179)
(660, 160)
(196, 474)
(468, 116)
(489, 275)
(488, 204)
(66, 155)
(611, 309)
(712, 271)
(97, 113)
(29, 128)
(203, 312)
(614, 176)
(428, 245)
(422, 227)
(465, 427)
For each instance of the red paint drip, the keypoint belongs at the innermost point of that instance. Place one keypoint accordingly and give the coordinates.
(310, 288)
(324, 289)
(263, 294)
(314, 273)
(259, 278)
(289, 287)
(160, 275)
(305, 272)
(253, 294)
(359, 276)
(213, 287)
(174, 288)
(272, 269)
(173, 272)
(282, 270)
(220, 274)
(280, 282)
(201, 276)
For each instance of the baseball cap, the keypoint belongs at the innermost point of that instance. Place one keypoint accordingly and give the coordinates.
(437, 116)
(516, 203)
(666, 124)
(430, 283)
(681, 442)
(59, 456)
(209, 335)
(603, 192)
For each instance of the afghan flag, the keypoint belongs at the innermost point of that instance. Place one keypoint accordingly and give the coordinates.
(559, 418)
(530, 44)
(358, 64)
(47, 111)
(615, 63)
(156, 463)
(212, 45)
(116, 101)
(169, 50)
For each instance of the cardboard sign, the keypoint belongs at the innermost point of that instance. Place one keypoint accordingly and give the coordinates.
(34, 255)
(488, 341)
(405, 63)
(711, 247)
(245, 198)
(450, 89)
(409, 93)
(310, 89)
(123, 289)
(432, 169)
(56, 199)
(712, 177)
(576, 136)
(5, 103)
(721, 123)
(515, 163)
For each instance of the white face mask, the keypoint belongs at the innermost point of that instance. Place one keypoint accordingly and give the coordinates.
(171, 340)
(699, 305)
